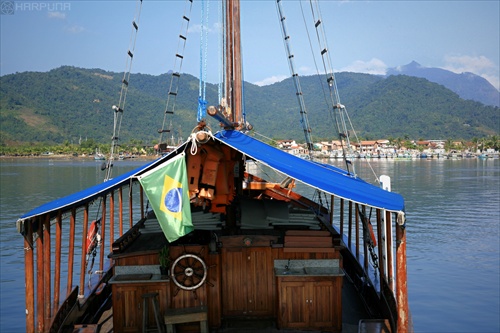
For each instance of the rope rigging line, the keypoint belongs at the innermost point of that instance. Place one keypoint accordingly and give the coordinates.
(300, 96)
(202, 102)
(222, 47)
(368, 235)
(176, 72)
(321, 83)
(118, 110)
(338, 110)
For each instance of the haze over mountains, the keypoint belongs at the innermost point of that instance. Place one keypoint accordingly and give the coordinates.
(68, 104)
(466, 85)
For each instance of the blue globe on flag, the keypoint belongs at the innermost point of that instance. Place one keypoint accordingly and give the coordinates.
(173, 200)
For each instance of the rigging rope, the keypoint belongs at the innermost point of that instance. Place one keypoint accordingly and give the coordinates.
(222, 47)
(202, 103)
(339, 111)
(334, 103)
(303, 112)
(118, 115)
(368, 235)
(176, 72)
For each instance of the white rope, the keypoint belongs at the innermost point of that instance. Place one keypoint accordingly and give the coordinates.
(194, 140)
(194, 144)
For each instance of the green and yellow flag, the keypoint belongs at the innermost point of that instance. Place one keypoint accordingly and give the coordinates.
(166, 187)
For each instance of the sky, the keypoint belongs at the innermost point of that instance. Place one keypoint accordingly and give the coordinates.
(361, 36)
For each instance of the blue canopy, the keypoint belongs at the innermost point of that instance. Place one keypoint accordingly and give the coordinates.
(326, 178)
(323, 177)
(88, 194)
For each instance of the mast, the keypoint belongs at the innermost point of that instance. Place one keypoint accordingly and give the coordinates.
(233, 62)
(230, 110)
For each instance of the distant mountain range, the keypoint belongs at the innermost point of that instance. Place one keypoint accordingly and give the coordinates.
(69, 104)
(466, 85)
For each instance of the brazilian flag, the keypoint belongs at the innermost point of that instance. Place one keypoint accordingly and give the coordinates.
(166, 187)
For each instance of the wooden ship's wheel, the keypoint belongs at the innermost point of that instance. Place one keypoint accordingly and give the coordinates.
(189, 272)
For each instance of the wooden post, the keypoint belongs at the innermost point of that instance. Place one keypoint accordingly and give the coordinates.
(349, 232)
(141, 195)
(111, 220)
(390, 272)
(401, 282)
(365, 245)
(29, 277)
(341, 218)
(81, 292)
(46, 268)
(120, 210)
(71, 250)
(332, 210)
(380, 248)
(57, 264)
(103, 234)
(356, 207)
(40, 292)
(130, 210)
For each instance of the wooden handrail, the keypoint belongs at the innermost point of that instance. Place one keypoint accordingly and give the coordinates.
(57, 264)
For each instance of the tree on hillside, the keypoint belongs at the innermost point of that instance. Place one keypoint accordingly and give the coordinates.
(449, 145)
(492, 142)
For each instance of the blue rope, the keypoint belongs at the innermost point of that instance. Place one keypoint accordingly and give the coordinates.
(202, 103)
(221, 47)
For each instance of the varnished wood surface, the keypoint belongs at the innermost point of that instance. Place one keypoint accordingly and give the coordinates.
(240, 282)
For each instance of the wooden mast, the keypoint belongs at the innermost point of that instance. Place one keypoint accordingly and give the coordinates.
(233, 62)
(230, 112)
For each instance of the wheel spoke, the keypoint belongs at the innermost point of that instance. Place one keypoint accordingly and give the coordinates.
(192, 269)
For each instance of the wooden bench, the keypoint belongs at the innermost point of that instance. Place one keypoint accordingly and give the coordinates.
(187, 315)
(374, 326)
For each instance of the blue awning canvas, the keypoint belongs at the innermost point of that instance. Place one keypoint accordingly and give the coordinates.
(89, 194)
(326, 178)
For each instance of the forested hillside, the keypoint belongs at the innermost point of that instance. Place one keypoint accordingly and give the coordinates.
(68, 104)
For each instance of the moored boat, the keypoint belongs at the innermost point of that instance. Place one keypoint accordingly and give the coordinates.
(98, 156)
(314, 248)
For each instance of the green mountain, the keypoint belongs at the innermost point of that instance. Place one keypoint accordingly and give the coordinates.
(68, 104)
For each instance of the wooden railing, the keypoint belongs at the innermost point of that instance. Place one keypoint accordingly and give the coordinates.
(386, 272)
(55, 262)
(53, 259)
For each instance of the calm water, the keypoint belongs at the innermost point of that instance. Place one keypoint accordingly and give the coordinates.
(453, 209)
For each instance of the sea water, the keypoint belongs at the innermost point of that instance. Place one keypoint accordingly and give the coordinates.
(453, 222)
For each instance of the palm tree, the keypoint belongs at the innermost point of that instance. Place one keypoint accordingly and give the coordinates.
(449, 145)
(475, 142)
(492, 142)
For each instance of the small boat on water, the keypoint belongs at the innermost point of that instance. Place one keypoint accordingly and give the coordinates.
(203, 238)
(98, 156)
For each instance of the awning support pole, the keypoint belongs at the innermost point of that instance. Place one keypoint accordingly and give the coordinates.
(401, 282)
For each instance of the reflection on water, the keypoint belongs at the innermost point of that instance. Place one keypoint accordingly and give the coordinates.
(453, 233)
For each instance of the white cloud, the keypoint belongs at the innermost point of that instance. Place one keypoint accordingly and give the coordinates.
(196, 28)
(479, 65)
(493, 79)
(56, 15)
(305, 70)
(460, 64)
(74, 29)
(374, 66)
(270, 80)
